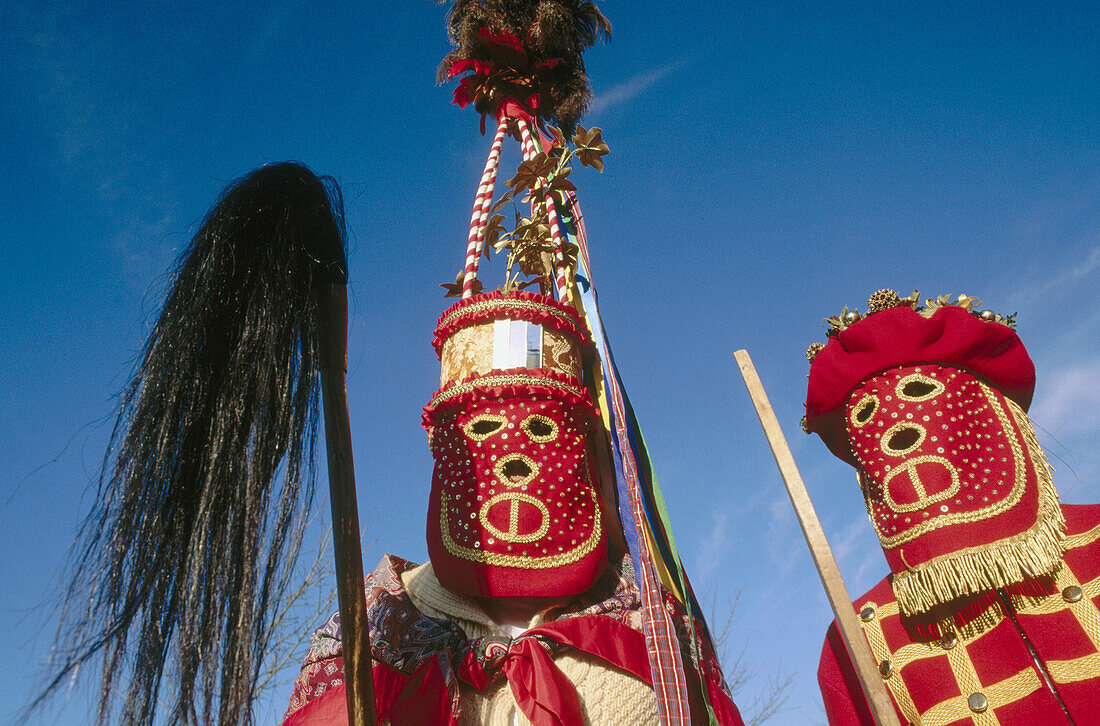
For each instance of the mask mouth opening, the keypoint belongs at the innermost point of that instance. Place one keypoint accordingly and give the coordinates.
(516, 470)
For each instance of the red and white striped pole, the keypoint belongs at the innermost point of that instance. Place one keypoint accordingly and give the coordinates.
(482, 203)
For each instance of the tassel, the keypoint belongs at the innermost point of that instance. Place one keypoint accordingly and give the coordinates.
(549, 38)
(208, 478)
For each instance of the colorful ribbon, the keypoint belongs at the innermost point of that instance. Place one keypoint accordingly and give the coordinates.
(642, 512)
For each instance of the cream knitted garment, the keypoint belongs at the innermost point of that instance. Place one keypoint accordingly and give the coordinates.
(608, 696)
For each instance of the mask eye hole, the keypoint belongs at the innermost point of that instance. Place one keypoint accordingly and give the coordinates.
(902, 438)
(918, 388)
(864, 410)
(540, 428)
(484, 426)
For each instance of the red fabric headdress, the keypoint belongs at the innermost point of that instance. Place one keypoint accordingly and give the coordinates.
(900, 336)
(929, 406)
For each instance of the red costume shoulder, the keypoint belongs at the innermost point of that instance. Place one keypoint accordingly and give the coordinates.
(1059, 623)
(836, 676)
(420, 662)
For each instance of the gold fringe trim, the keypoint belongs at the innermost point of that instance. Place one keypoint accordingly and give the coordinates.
(1033, 553)
(978, 625)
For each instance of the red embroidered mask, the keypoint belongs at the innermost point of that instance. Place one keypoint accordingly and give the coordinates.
(513, 509)
(948, 465)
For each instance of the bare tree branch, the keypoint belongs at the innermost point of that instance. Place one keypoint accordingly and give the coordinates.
(300, 612)
(771, 696)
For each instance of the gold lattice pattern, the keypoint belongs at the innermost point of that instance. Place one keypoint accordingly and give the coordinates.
(979, 700)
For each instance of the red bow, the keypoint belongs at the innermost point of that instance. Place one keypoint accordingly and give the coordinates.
(541, 690)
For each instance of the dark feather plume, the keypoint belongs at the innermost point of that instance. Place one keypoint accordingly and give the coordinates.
(551, 31)
(208, 477)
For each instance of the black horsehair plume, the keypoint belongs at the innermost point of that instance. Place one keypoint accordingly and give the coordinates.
(554, 32)
(208, 477)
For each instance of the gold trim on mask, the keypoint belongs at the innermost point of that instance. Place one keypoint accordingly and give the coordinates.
(1033, 553)
(502, 380)
(925, 499)
(1011, 499)
(937, 387)
(538, 418)
(470, 429)
(523, 561)
(854, 418)
(503, 477)
(513, 535)
(884, 442)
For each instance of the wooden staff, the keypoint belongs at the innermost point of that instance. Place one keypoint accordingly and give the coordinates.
(869, 679)
(346, 545)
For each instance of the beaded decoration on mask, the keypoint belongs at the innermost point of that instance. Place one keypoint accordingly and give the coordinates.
(955, 484)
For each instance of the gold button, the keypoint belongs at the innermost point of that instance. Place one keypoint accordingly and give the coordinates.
(949, 641)
(1072, 593)
(867, 614)
(977, 702)
(886, 668)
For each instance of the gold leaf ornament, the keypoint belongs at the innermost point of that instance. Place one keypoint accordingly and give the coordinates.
(841, 322)
(454, 289)
(559, 181)
(968, 303)
(965, 302)
(590, 147)
(493, 231)
(531, 171)
(505, 198)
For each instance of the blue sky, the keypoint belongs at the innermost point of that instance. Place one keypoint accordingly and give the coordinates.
(770, 163)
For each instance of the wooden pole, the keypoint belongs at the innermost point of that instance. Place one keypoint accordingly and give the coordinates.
(346, 544)
(873, 688)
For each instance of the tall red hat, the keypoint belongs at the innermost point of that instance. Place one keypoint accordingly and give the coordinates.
(929, 404)
(515, 507)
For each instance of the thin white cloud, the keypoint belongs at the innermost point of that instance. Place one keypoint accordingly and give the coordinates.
(716, 544)
(631, 88)
(785, 543)
(1061, 282)
(858, 554)
(1068, 402)
(77, 101)
(782, 514)
(84, 100)
(846, 544)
